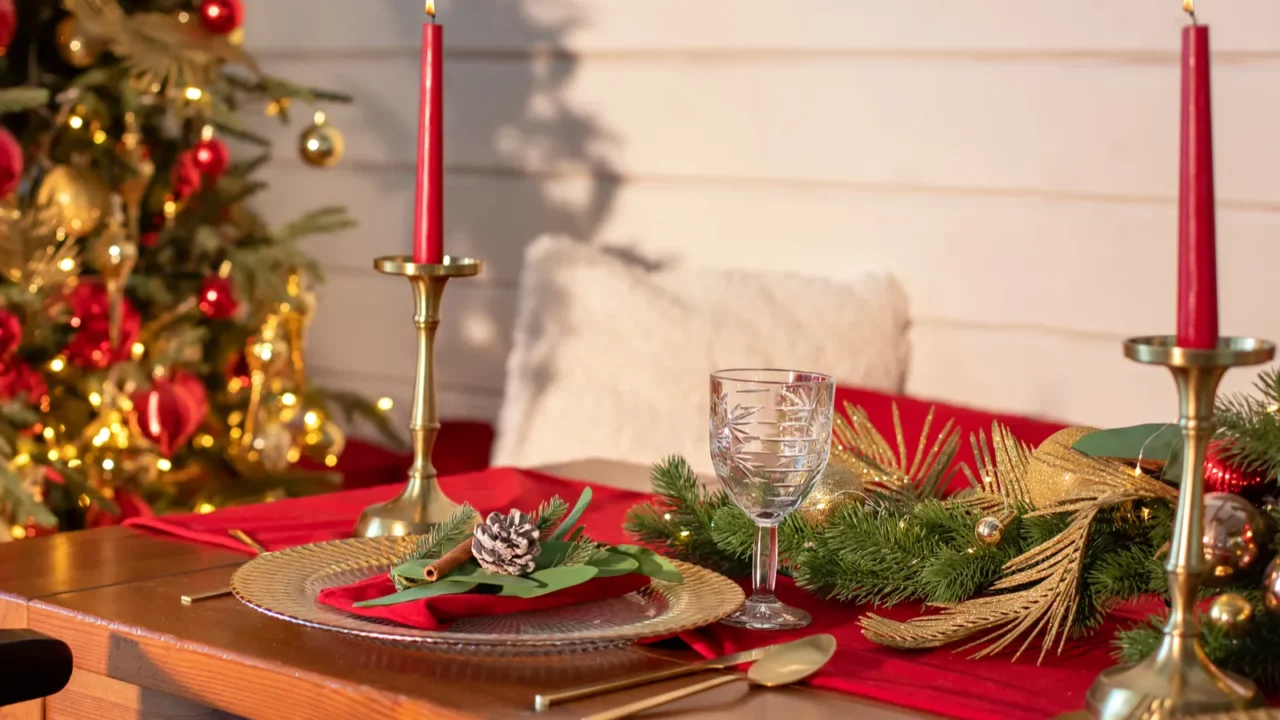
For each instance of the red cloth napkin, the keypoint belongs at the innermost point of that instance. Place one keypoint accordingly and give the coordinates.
(435, 612)
(286, 523)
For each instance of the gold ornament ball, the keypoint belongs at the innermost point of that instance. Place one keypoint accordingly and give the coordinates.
(79, 197)
(1049, 475)
(1234, 535)
(78, 49)
(1232, 613)
(329, 439)
(989, 530)
(321, 145)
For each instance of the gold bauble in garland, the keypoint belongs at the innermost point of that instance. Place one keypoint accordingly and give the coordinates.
(78, 49)
(989, 530)
(1232, 613)
(322, 144)
(273, 446)
(1049, 474)
(1234, 535)
(77, 197)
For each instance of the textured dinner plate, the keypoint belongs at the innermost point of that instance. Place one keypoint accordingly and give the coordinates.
(285, 584)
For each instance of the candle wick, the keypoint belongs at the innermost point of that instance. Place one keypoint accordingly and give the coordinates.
(1192, 13)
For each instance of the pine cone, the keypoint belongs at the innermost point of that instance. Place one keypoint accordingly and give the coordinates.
(506, 544)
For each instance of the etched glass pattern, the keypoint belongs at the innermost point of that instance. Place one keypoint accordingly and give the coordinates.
(770, 441)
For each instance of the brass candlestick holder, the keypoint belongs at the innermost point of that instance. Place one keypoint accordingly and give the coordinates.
(1178, 679)
(422, 505)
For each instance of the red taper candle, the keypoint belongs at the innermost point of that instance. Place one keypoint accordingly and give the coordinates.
(1197, 254)
(428, 207)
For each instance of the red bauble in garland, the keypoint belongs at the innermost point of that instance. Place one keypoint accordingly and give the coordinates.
(8, 23)
(185, 176)
(211, 157)
(217, 301)
(10, 334)
(11, 162)
(221, 17)
(170, 411)
(1223, 476)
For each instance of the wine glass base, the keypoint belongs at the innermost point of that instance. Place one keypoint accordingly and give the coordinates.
(756, 614)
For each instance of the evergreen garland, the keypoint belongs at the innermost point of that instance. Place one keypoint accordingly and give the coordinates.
(1251, 425)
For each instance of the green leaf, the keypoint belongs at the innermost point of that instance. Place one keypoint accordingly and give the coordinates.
(444, 587)
(551, 554)
(651, 563)
(580, 507)
(1153, 441)
(609, 564)
(474, 573)
(551, 580)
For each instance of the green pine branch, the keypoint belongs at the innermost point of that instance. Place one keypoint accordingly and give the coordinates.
(1251, 425)
(21, 99)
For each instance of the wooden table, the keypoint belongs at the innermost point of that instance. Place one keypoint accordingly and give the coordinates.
(113, 596)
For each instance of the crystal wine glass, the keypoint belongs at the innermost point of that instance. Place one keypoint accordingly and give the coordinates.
(770, 440)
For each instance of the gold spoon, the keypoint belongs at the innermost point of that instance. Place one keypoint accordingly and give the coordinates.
(787, 664)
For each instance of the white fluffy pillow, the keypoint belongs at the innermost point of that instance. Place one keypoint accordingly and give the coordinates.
(611, 359)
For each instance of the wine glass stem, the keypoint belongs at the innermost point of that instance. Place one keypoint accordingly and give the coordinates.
(764, 575)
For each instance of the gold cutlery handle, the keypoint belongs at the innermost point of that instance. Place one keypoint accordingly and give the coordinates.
(653, 702)
(542, 703)
(245, 538)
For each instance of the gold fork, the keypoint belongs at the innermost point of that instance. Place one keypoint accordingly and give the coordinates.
(243, 537)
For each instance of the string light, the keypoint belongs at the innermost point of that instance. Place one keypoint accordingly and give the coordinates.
(205, 508)
(54, 455)
(76, 122)
(330, 460)
(385, 404)
(99, 137)
(164, 465)
(21, 459)
(18, 532)
(138, 350)
(66, 264)
(95, 399)
(47, 433)
(58, 364)
(206, 441)
(294, 455)
(108, 464)
(73, 463)
(194, 93)
(312, 420)
(288, 399)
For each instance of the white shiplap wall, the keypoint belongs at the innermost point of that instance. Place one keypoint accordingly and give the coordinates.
(1013, 161)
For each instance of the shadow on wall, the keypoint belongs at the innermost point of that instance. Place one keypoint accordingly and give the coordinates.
(554, 154)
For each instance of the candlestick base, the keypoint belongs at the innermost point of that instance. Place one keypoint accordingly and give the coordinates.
(422, 504)
(1178, 679)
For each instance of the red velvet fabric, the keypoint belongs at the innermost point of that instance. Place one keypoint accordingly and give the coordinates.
(943, 681)
(436, 612)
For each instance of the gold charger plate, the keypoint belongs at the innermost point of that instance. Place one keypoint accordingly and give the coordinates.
(285, 584)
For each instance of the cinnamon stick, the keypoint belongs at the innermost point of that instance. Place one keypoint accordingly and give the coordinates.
(450, 561)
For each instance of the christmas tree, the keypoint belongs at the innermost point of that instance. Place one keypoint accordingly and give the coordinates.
(151, 325)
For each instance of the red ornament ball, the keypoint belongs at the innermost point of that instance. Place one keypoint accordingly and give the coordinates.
(170, 411)
(149, 239)
(20, 381)
(186, 176)
(1222, 476)
(8, 23)
(211, 157)
(11, 162)
(10, 334)
(221, 17)
(217, 301)
(90, 317)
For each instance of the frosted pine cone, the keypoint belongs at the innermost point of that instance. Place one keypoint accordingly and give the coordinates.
(506, 544)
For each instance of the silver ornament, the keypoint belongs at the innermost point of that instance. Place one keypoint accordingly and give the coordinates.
(1234, 534)
(1271, 587)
